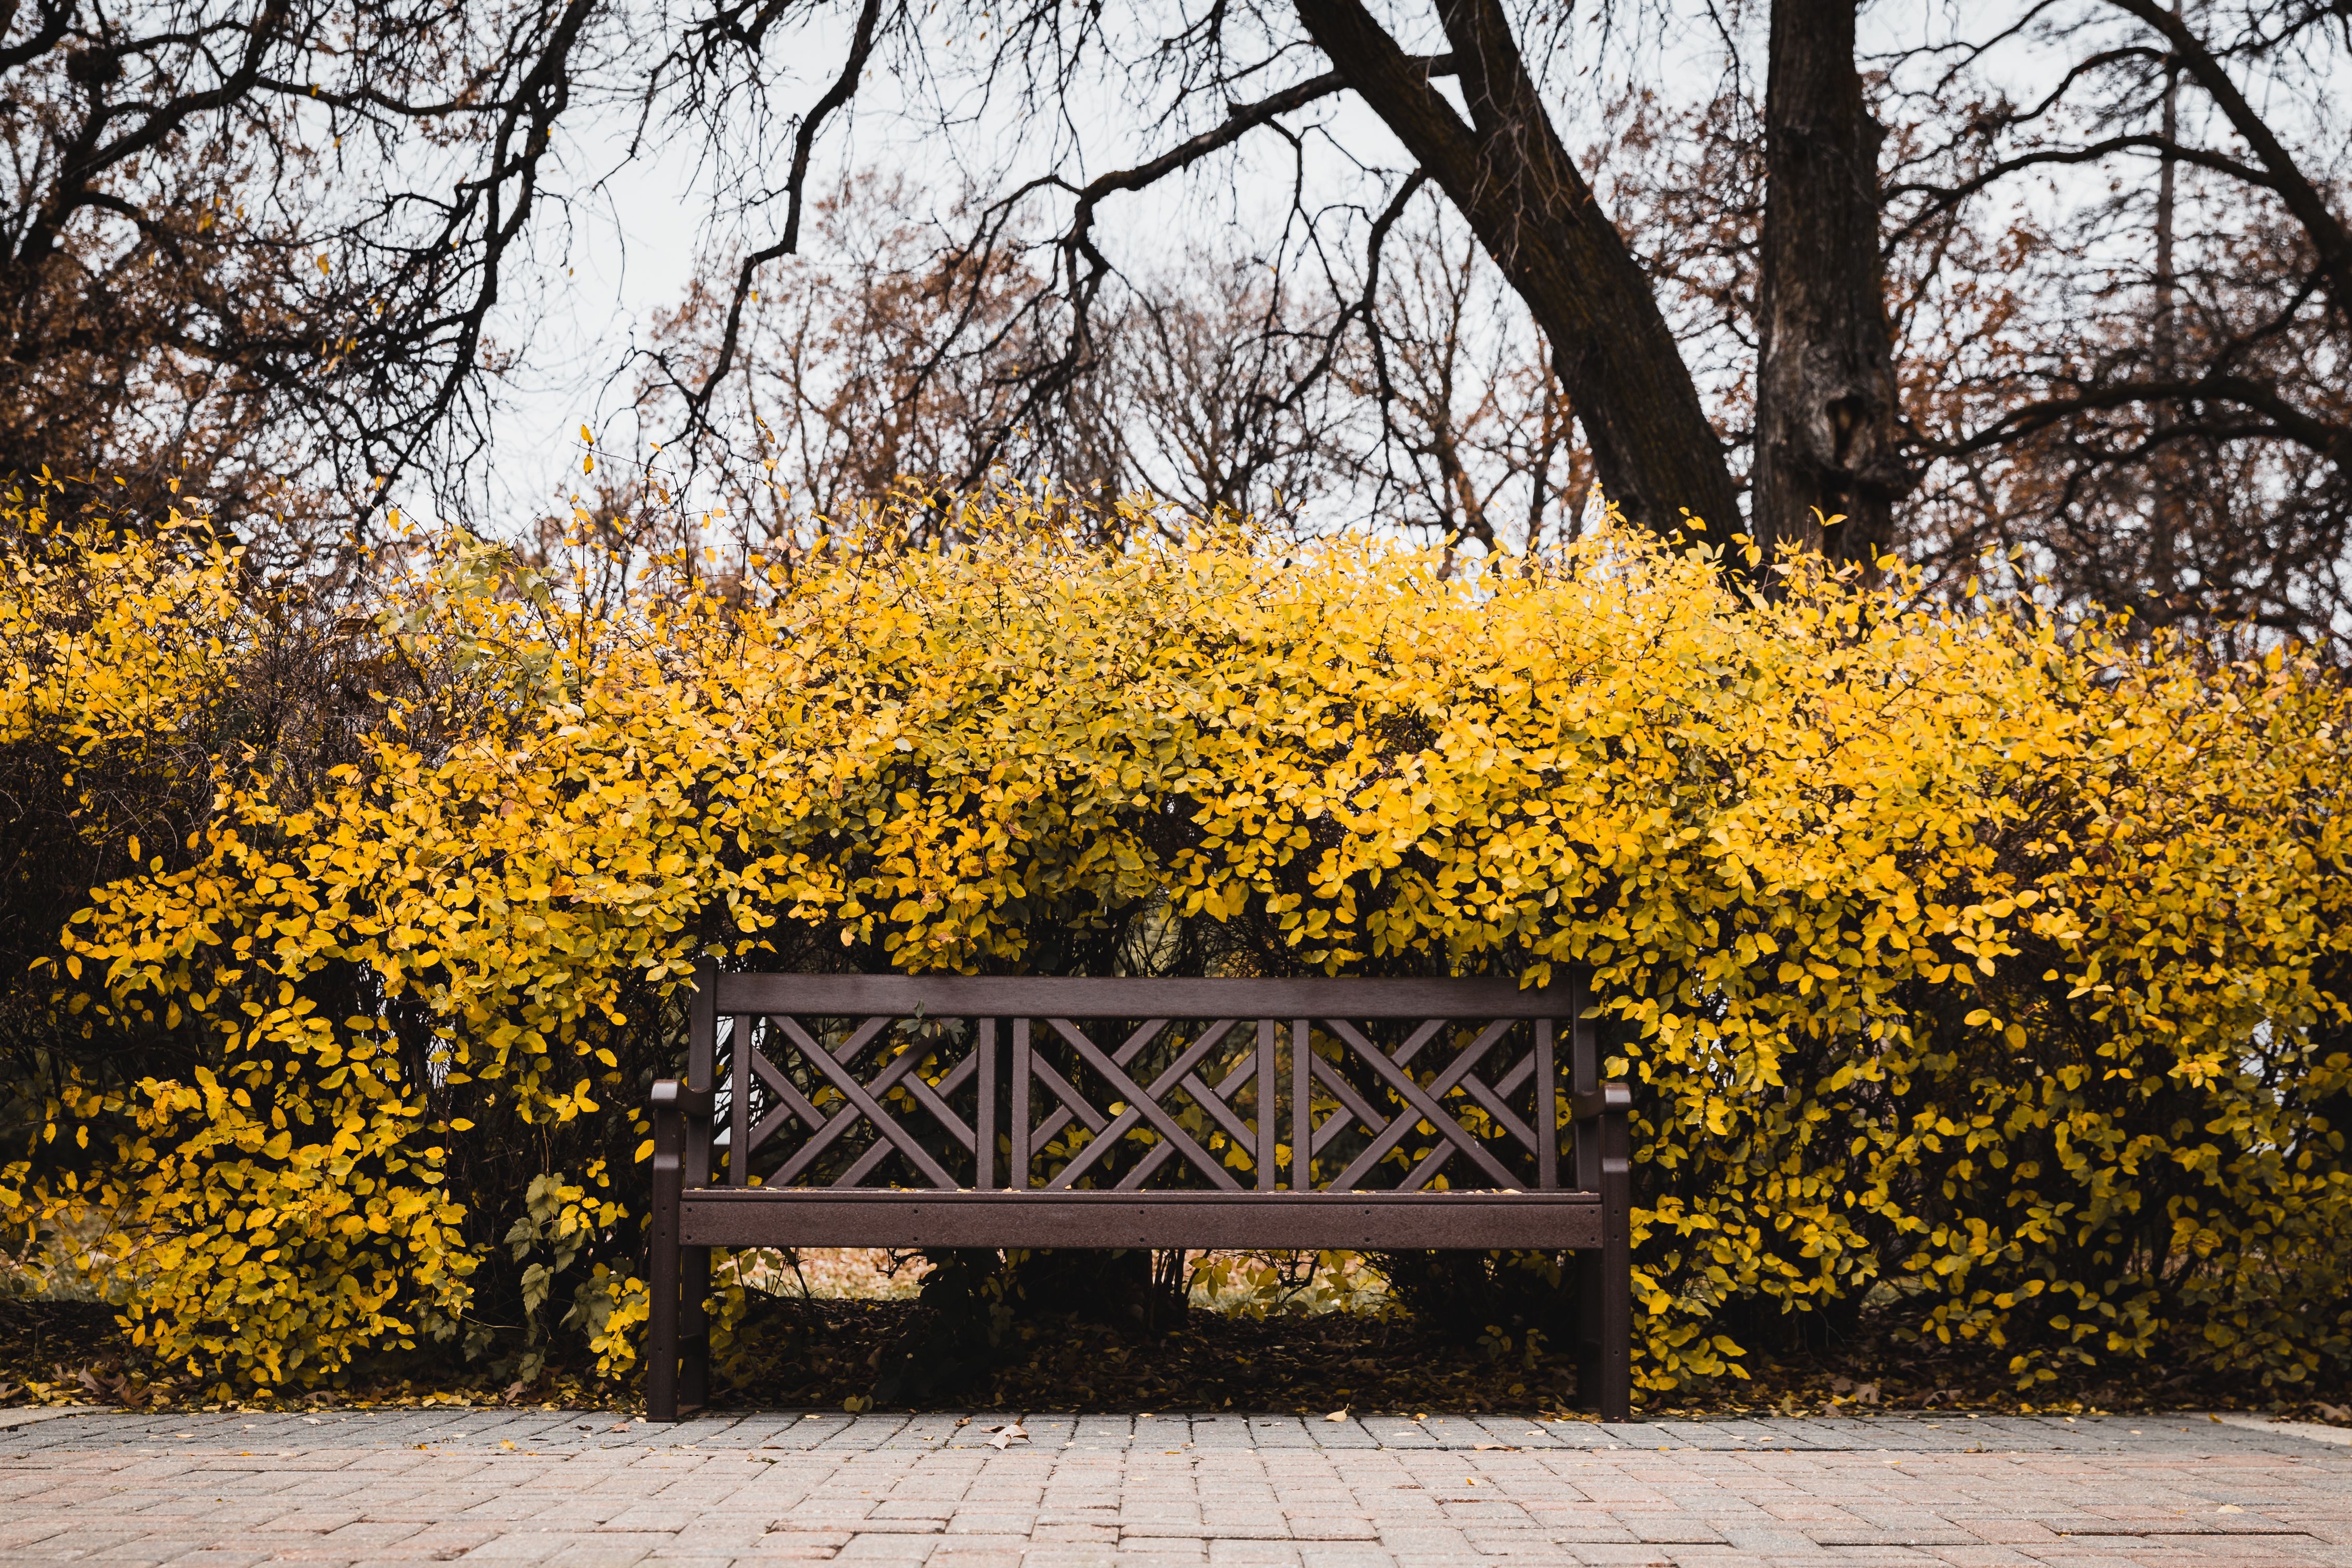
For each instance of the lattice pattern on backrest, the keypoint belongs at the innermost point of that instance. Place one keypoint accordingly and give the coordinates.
(1206, 1105)
(1384, 1101)
(872, 1101)
(926, 1097)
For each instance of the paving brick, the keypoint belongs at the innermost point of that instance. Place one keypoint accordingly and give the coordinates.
(350, 1489)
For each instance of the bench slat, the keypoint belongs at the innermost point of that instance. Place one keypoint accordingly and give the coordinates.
(1040, 996)
(816, 1216)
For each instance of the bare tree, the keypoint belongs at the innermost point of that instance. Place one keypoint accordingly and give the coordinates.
(1205, 396)
(1219, 76)
(1471, 430)
(2125, 301)
(1828, 441)
(1205, 388)
(2089, 295)
(250, 250)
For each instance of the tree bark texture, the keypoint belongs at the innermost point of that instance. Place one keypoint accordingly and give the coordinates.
(1510, 175)
(1828, 434)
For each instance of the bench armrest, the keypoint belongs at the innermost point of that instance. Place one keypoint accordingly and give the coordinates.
(670, 1095)
(679, 1112)
(1614, 1098)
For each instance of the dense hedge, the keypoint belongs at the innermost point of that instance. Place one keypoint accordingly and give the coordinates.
(1993, 975)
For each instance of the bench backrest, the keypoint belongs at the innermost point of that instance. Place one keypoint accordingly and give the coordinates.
(877, 1081)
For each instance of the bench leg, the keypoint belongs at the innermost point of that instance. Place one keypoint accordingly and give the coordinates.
(664, 1278)
(661, 1326)
(694, 1331)
(1605, 1275)
(1604, 1373)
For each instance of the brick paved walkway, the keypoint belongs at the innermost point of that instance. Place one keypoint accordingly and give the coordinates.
(581, 1490)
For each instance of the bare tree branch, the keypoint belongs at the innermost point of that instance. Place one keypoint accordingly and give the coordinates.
(843, 87)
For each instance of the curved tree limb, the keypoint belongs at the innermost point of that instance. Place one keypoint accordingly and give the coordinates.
(1944, 198)
(1512, 179)
(2329, 235)
(843, 87)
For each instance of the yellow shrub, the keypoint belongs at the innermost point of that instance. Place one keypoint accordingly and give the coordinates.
(261, 1212)
(1998, 972)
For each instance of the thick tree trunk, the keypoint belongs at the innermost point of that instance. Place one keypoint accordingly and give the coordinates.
(1827, 430)
(1510, 177)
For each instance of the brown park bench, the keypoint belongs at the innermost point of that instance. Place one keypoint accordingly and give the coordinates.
(1032, 1112)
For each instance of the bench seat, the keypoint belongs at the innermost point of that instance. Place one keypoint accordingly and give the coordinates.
(1285, 1221)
